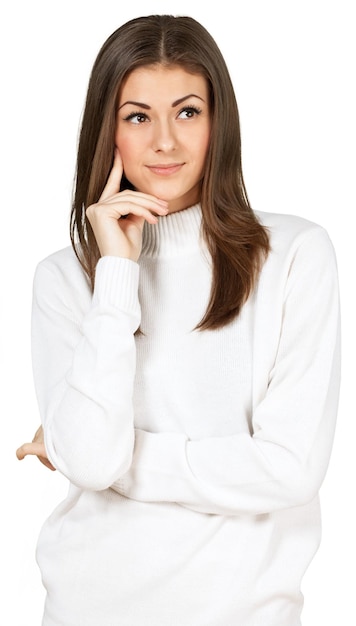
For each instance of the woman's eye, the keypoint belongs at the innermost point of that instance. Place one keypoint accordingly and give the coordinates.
(189, 112)
(136, 118)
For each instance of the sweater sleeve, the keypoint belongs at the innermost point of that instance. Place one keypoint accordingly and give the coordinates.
(84, 369)
(283, 461)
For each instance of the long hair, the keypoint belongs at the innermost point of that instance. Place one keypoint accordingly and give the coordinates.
(237, 242)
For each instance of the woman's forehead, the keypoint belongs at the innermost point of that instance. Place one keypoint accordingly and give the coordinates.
(162, 81)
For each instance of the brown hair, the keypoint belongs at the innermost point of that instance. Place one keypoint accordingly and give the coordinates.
(238, 243)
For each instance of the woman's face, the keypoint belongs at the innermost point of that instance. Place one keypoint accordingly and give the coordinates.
(163, 132)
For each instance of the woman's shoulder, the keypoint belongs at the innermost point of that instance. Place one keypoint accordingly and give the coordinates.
(59, 258)
(63, 262)
(288, 231)
(298, 242)
(285, 223)
(61, 276)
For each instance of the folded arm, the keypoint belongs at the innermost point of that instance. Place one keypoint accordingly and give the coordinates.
(284, 460)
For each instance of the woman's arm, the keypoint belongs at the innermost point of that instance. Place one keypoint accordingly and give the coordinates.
(84, 349)
(283, 462)
(84, 370)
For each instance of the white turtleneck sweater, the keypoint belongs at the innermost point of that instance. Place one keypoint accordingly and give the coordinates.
(194, 459)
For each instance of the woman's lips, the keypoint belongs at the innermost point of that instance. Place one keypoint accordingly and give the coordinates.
(165, 170)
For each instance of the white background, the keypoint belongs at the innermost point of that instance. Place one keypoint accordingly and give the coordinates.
(293, 67)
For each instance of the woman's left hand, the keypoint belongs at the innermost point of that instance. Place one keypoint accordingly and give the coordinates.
(36, 448)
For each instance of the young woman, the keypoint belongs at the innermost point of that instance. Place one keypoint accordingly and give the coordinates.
(186, 359)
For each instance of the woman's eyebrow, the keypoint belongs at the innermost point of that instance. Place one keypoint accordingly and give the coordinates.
(190, 95)
(142, 105)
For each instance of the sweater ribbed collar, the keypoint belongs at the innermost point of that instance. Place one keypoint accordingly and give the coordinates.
(176, 233)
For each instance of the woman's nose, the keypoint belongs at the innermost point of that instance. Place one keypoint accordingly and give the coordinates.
(164, 139)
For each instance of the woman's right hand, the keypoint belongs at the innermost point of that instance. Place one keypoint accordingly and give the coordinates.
(117, 219)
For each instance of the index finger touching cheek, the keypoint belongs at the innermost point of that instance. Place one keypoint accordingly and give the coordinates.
(113, 183)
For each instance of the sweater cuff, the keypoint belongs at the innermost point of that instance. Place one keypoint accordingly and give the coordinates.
(159, 471)
(116, 284)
